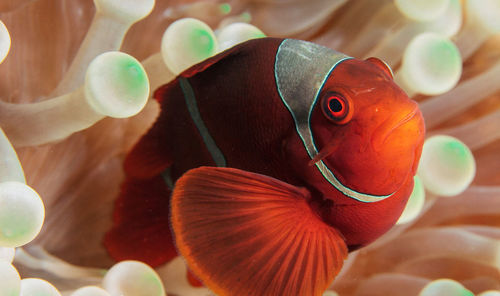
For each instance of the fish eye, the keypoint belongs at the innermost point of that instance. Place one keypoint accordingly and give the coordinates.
(336, 107)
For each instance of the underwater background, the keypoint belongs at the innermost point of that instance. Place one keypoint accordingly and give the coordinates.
(78, 177)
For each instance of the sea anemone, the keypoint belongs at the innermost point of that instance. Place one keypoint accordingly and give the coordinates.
(445, 55)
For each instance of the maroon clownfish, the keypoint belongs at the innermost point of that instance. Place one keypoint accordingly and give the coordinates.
(266, 165)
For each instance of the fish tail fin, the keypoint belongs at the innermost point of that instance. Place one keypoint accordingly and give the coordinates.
(141, 229)
(243, 233)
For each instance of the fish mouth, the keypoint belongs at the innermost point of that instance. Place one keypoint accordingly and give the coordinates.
(384, 130)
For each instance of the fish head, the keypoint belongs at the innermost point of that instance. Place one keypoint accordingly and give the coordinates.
(356, 137)
(369, 136)
(366, 130)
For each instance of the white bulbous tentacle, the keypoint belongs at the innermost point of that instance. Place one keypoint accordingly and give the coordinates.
(116, 86)
(111, 22)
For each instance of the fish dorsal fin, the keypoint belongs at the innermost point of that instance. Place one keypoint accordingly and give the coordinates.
(162, 91)
(247, 234)
(149, 156)
(230, 53)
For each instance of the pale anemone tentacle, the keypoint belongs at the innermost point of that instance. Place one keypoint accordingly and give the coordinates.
(350, 23)
(116, 86)
(22, 211)
(478, 133)
(488, 231)
(459, 244)
(37, 258)
(383, 284)
(111, 22)
(89, 291)
(200, 10)
(10, 281)
(35, 286)
(330, 293)
(444, 287)
(133, 278)
(402, 256)
(157, 71)
(431, 65)
(235, 33)
(438, 109)
(21, 214)
(10, 167)
(422, 10)
(459, 269)
(396, 253)
(447, 166)
(393, 16)
(391, 48)
(293, 17)
(124, 278)
(187, 42)
(481, 23)
(244, 17)
(490, 293)
(7, 254)
(4, 42)
(473, 202)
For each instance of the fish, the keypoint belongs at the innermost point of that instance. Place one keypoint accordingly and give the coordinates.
(267, 164)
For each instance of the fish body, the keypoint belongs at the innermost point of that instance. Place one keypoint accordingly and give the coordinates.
(276, 156)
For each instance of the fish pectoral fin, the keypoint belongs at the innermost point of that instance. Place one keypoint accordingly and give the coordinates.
(248, 234)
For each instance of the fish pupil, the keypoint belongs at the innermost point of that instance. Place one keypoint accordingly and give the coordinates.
(335, 105)
(336, 108)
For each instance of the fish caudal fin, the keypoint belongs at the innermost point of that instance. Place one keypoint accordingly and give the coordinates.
(247, 234)
(141, 229)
